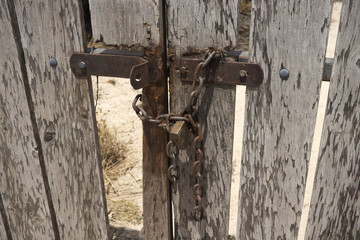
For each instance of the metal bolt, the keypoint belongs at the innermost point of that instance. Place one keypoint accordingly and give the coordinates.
(53, 62)
(284, 74)
(82, 65)
(243, 73)
(183, 70)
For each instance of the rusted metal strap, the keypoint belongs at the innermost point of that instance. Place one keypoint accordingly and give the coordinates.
(223, 72)
(134, 67)
(329, 62)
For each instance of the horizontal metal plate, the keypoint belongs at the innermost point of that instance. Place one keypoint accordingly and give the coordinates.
(223, 73)
(133, 67)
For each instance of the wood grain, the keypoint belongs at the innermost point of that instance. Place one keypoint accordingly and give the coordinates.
(139, 25)
(5, 232)
(280, 115)
(201, 24)
(64, 115)
(126, 22)
(195, 26)
(2, 230)
(335, 206)
(22, 189)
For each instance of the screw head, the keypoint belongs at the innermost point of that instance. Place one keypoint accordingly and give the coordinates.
(53, 62)
(82, 65)
(284, 74)
(242, 73)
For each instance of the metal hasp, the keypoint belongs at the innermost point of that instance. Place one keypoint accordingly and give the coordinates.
(224, 72)
(134, 67)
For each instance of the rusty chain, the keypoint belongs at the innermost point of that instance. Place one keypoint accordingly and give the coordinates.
(192, 117)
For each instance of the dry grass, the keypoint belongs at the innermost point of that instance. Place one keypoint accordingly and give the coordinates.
(115, 164)
(113, 154)
(124, 211)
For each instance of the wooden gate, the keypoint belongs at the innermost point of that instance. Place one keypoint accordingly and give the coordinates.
(50, 171)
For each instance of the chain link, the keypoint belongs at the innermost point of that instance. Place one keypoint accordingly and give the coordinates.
(191, 115)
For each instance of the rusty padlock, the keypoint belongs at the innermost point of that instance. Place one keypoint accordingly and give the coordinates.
(180, 134)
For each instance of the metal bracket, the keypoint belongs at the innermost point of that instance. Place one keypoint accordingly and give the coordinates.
(125, 66)
(142, 72)
(224, 72)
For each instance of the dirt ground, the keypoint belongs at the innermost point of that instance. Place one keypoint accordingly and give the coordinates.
(125, 193)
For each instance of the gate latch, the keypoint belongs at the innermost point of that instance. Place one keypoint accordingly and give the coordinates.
(115, 63)
(235, 72)
(143, 71)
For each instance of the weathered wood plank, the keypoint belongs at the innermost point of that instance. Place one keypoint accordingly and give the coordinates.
(195, 26)
(23, 196)
(64, 115)
(335, 206)
(4, 229)
(203, 24)
(133, 25)
(126, 22)
(280, 115)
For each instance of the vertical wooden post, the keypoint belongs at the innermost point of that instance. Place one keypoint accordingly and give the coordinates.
(193, 27)
(51, 179)
(138, 25)
(280, 116)
(335, 204)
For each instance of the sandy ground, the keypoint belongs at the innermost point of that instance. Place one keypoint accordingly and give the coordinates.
(114, 106)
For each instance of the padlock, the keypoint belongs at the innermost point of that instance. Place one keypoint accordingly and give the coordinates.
(180, 134)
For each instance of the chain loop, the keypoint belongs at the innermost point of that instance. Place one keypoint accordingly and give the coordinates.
(173, 168)
(190, 115)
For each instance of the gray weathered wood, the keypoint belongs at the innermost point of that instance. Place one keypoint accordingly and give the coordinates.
(126, 22)
(2, 230)
(202, 24)
(64, 115)
(280, 115)
(335, 204)
(138, 25)
(194, 26)
(4, 222)
(21, 184)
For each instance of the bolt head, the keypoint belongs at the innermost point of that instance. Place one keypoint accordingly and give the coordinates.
(183, 70)
(284, 74)
(242, 73)
(82, 65)
(53, 62)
